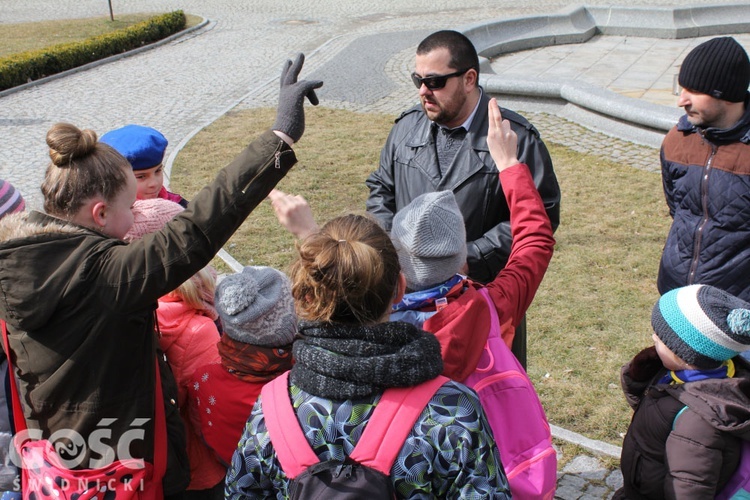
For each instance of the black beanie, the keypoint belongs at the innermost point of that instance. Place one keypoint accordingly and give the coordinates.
(719, 68)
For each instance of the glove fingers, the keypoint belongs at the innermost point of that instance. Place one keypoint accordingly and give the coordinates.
(290, 114)
(296, 68)
(285, 71)
(311, 95)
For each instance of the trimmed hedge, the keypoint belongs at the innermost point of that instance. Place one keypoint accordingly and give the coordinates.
(18, 69)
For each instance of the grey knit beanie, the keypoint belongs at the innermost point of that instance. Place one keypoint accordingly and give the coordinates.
(256, 307)
(430, 239)
(719, 68)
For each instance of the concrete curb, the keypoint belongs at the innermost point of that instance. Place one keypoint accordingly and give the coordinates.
(579, 24)
(679, 22)
(106, 60)
(590, 97)
(597, 447)
(228, 259)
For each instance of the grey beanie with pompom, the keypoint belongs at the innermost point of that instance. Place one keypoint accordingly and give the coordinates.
(256, 307)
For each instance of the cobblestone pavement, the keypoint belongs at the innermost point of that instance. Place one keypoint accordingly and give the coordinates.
(586, 478)
(362, 50)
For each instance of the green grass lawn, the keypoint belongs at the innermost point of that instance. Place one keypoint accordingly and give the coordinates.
(592, 313)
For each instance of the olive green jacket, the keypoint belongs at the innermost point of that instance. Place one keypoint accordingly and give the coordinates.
(80, 305)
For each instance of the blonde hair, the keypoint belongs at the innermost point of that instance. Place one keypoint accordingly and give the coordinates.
(81, 168)
(198, 292)
(345, 273)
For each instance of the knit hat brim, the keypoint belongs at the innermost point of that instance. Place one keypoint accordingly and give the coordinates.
(719, 67)
(692, 322)
(423, 273)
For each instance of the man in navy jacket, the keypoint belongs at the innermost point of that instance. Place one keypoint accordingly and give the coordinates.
(705, 163)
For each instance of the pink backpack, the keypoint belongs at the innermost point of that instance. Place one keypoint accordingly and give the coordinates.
(738, 486)
(365, 473)
(516, 416)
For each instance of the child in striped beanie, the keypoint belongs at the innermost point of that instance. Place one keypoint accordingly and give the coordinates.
(691, 396)
(701, 326)
(11, 201)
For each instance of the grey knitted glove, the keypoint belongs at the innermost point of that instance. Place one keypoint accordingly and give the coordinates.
(290, 115)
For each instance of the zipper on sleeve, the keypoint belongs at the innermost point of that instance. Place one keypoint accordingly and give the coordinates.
(275, 160)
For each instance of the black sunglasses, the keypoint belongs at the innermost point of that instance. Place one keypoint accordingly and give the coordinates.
(435, 82)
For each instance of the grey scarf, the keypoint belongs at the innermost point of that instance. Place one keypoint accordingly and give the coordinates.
(353, 361)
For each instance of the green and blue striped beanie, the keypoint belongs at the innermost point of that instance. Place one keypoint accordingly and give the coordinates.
(702, 325)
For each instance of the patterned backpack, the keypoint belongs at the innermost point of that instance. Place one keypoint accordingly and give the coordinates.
(363, 474)
(516, 416)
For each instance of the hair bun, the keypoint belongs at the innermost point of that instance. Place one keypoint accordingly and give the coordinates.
(67, 142)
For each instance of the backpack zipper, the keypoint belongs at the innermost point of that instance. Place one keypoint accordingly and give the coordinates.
(498, 376)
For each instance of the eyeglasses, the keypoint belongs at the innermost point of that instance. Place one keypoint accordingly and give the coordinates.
(435, 82)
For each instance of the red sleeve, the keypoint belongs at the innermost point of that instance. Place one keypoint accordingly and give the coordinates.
(515, 286)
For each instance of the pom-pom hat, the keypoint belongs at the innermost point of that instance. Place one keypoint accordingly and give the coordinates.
(11, 201)
(142, 146)
(702, 325)
(256, 307)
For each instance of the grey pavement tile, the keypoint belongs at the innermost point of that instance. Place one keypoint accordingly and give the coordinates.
(570, 487)
(586, 467)
(595, 492)
(614, 480)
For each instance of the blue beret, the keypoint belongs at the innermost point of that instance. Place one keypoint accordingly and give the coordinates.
(142, 146)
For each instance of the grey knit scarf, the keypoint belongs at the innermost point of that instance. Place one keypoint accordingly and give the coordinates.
(353, 361)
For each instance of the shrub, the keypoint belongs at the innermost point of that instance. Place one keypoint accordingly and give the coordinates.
(28, 66)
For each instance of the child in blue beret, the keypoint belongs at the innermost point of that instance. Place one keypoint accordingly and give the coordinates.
(144, 148)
